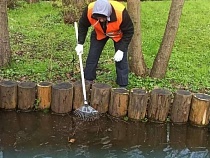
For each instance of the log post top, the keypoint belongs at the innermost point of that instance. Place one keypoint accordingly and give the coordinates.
(120, 91)
(101, 85)
(63, 86)
(161, 91)
(138, 91)
(183, 92)
(8, 83)
(79, 83)
(202, 96)
(27, 84)
(44, 84)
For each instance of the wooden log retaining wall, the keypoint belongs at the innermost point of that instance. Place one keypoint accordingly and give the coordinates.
(26, 96)
(137, 104)
(44, 91)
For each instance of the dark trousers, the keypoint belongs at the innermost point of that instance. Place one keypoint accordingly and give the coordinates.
(96, 47)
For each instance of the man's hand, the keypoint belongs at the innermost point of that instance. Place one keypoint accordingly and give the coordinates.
(118, 56)
(79, 49)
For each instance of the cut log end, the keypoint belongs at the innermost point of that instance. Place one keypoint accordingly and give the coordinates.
(199, 112)
(100, 96)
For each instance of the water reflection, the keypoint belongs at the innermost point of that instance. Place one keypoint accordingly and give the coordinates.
(40, 135)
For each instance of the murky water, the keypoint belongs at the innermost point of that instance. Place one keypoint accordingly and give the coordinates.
(39, 135)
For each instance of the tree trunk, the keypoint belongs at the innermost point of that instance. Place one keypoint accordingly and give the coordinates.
(26, 96)
(137, 104)
(159, 105)
(119, 102)
(5, 51)
(44, 93)
(78, 98)
(73, 9)
(162, 59)
(62, 98)
(8, 95)
(181, 106)
(100, 97)
(199, 112)
(135, 56)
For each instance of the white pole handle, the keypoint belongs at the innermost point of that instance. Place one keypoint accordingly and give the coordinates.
(81, 67)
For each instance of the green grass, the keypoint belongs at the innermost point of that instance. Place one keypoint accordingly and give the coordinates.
(43, 47)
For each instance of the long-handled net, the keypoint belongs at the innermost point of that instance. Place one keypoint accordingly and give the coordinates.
(85, 112)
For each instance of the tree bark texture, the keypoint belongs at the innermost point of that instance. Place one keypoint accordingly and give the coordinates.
(100, 97)
(72, 9)
(44, 92)
(119, 102)
(137, 104)
(62, 97)
(160, 64)
(135, 56)
(199, 112)
(5, 51)
(26, 95)
(159, 105)
(181, 106)
(8, 95)
(78, 98)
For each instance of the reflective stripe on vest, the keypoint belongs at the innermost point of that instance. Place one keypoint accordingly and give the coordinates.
(113, 28)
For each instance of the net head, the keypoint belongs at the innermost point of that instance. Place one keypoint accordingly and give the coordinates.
(87, 113)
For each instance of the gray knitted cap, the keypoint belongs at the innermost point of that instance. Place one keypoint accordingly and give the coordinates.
(103, 7)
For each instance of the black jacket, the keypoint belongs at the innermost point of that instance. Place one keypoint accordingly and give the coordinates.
(126, 27)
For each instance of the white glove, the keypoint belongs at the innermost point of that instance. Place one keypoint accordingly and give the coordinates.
(79, 49)
(118, 56)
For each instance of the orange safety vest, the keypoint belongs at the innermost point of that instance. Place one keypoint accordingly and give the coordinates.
(113, 28)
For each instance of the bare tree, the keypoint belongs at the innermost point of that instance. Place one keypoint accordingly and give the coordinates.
(5, 51)
(136, 60)
(160, 64)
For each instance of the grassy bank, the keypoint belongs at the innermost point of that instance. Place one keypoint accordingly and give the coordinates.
(43, 47)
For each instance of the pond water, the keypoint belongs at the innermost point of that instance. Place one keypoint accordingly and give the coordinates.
(40, 135)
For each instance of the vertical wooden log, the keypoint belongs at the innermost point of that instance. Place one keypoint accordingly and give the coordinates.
(137, 104)
(44, 95)
(100, 97)
(181, 106)
(159, 105)
(8, 95)
(119, 102)
(78, 98)
(26, 95)
(199, 112)
(62, 97)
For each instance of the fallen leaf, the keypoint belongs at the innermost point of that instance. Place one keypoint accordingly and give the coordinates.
(72, 140)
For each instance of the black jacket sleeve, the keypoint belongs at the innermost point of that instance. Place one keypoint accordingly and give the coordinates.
(84, 24)
(127, 29)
